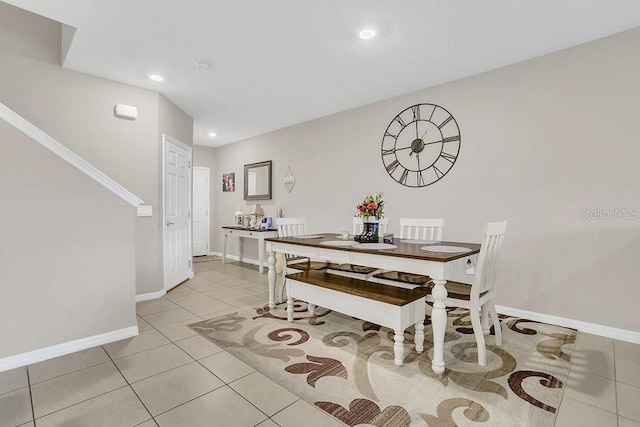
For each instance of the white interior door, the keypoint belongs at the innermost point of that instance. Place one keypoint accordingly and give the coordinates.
(177, 212)
(201, 210)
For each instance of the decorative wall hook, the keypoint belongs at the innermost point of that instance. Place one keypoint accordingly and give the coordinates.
(289, 180)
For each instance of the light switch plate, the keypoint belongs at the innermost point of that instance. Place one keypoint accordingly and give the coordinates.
(145, 211)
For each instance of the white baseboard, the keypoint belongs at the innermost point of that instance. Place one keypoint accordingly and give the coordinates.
(57, 350)
(150, 295)
(590, 328)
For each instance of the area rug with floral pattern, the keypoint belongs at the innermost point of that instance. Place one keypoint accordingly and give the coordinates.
(344, 366)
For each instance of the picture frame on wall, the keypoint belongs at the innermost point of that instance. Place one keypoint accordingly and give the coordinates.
(229, 181)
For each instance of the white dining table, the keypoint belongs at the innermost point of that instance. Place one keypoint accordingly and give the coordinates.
(406, 256)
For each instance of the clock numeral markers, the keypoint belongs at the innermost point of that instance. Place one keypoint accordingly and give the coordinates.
(416, 112)
(438, 172)
(420, 179)
(449, 157)
(387, 134)
(403, 178)
(432, 113)
(392, 166)
(389, 151)
(445, 122)
(400, 121)
(451, 138)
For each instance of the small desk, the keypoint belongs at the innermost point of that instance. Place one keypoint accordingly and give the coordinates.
(247, 233)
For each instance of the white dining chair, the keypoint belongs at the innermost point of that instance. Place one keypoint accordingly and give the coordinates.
(290, 227)
(358, 271)
(421, 228)
(479, 296)
(416, 229)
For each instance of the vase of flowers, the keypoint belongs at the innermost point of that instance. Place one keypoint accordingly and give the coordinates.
(370, 210)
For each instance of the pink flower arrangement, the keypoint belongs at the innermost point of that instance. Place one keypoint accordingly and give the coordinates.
(372, 205)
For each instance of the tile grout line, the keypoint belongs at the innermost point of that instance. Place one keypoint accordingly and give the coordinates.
(79, 402)
(566, 382)
(597, 375)
(72, 371)
(129, 385)
(33, 412)
(225, 384)
(198, 361)
(615, 382)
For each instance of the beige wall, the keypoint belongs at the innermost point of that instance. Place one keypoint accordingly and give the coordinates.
(29, 35)
(67, 253)
(77, 110)
(541, 140)
(75, 255)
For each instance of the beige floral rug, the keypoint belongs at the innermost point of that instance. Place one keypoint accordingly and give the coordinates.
(344, 366)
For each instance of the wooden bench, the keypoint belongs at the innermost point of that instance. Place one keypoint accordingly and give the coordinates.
(393, 307)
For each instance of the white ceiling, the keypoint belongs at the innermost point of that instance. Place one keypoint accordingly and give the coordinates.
(275, 63)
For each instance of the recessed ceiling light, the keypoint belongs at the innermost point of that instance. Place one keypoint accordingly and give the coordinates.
(211, 134)
(156, 77)
(367, 34)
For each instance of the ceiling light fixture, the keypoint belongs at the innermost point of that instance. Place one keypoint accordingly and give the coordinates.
(211, 134)
(156, 77)
(367, 34)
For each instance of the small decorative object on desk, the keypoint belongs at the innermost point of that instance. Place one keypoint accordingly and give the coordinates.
(238, 217)
(267, 223)
(257, 213)
(371, 210)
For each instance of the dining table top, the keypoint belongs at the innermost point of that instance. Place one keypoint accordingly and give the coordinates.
(430, 250)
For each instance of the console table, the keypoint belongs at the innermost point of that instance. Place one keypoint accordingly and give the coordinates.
(247, 233)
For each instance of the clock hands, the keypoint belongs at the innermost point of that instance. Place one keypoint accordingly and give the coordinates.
(434, 142)
(403, 148)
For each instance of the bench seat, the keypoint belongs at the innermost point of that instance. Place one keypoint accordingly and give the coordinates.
(393, 307)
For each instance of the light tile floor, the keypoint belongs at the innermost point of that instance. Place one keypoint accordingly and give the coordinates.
(170, 376)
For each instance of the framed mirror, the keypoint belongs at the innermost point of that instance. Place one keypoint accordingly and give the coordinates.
(257, 181)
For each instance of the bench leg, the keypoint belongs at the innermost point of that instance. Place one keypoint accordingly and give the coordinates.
(290, 309)
(311, 309)
(398, 348)
(419, 338)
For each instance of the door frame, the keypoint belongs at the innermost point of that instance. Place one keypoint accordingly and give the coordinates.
(168, 139)
(208, 197)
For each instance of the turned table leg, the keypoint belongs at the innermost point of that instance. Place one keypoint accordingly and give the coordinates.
(271, 275)
(398, 348)
(439, 324)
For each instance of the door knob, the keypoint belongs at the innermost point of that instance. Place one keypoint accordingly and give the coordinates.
(170, 223)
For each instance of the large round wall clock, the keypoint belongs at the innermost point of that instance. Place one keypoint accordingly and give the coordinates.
(420, 145)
